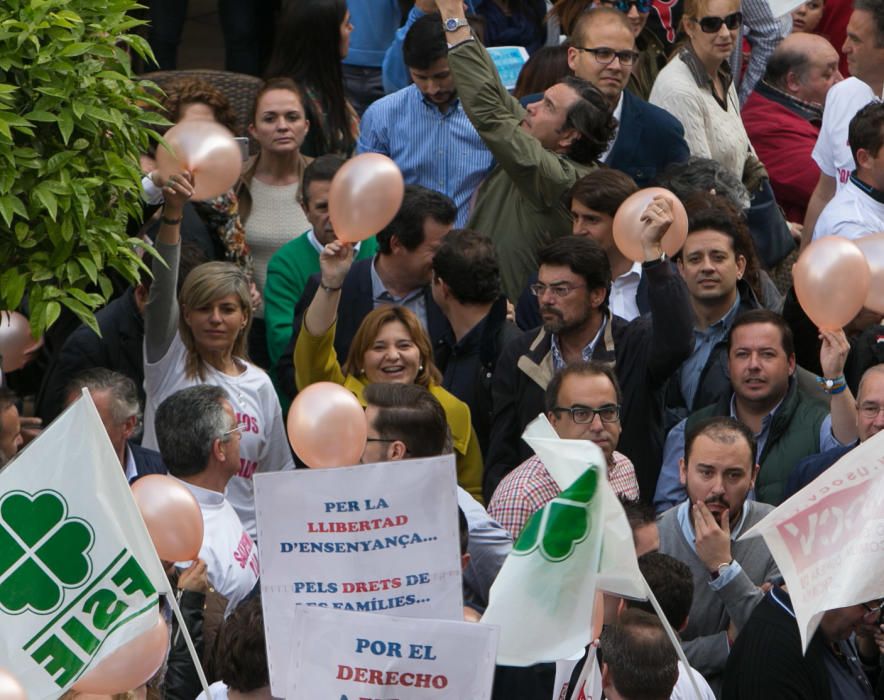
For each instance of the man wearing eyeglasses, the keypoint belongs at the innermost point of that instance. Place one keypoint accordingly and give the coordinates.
(582, 403)
(648, 138)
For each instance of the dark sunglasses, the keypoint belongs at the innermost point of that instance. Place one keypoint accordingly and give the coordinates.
(710, 25)
(643, 6)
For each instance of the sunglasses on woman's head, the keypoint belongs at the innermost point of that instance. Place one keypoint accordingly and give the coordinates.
(710, 25)
(643, 6)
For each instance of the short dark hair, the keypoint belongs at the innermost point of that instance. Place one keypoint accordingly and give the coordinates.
(411, 414)
(591, 115)
(592, 368)
(467, 262)
(543, 69)
(124, 394)
(187, 424)
(672, 584)
(642, 663)
(720, 429)
(584, 257)
(240, 658)
(7, 398)
(425, 42)
(322, 169)
(603, 190)
(876, 9)
(638, 514)
(865, 130)
(418, 205)
(787, 340)
(698, 174)
(786, 59)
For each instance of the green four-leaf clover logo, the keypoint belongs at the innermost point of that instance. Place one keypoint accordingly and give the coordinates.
(563, 523)
(42, 551)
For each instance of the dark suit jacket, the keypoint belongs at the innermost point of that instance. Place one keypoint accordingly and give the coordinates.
(649, 139)
(811, 467)
(146, 461)
(357, 301)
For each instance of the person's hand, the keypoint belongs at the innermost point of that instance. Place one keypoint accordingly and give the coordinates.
(510, 311)
(833, 353)
(447, 8)
(797, 230)
(194, 578)
(428, 7)
(656, 220)
(335, 261)
(879, 638)
(177, 191)
(254, 295)
(31, 427)
(732, 633)
(713, 538)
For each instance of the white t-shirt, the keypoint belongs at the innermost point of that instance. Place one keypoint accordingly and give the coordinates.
(623, 290)
(230, 554)
(217, 691)
(684, 690)
(850, 214)
(832, 152)
(264, 445)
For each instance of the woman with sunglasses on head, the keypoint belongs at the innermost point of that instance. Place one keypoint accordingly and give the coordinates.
(696, 85)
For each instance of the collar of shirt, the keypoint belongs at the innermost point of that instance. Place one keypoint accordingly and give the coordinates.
(875, 194)
(317, 246)
(806, 110)
(634, 271)
(698, 71)
(721, 326)
(761, 436)
(618, 110)
(687, 527)
(380, 293)
(559, 360)
(131, 469)
(205, 497)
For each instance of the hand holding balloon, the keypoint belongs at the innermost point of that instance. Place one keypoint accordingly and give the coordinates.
(207, 150)
(833, 352)
(177, 190)
(656, 220)
(335, 262)
(644, 226)
(364, 197)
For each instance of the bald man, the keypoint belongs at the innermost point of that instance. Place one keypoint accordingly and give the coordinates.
(783, 115)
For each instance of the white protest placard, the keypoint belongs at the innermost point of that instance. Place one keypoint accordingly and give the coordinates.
(828, 539)
(353, 656)
(377, 538)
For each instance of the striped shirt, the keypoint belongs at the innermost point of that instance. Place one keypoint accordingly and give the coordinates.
(438, 150)
(529, 487)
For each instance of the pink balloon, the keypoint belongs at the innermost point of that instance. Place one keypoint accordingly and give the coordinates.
(172, 515)
(130, 666)
(10, 688)
(831, 281)
(872, 248)
(16, 341)
(207, 150)
(628, 227)
(326, 426)
(364, 197)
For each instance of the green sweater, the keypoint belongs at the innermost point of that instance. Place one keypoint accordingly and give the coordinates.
(520, 202)
(287, 274)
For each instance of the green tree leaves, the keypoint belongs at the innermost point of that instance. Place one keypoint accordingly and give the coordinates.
(72, 126)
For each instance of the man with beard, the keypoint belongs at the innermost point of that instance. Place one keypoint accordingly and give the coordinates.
(718, 470)
(573, 284)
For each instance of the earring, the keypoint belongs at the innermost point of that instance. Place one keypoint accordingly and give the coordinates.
(420, 368)
(362, 371)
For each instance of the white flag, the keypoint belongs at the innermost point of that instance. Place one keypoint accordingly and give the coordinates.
(827, 539)
(79, 576)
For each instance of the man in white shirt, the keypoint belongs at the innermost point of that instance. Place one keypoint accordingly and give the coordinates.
(864, 48)
(857, 209)
(199, 437)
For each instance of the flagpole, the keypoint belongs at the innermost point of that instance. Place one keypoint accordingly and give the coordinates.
(182, 629)
(672, 637)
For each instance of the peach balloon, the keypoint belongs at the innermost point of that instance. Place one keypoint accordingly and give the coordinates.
(872, 248)
(130, 666)
(16, 341)
(364, 197)
(831, 281)
(207, 150)
(10, 688)
(628, 225)
(326, 426)
(172, 515)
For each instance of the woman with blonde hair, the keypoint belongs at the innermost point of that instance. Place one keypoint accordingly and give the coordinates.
(201, 338)
(389, 346)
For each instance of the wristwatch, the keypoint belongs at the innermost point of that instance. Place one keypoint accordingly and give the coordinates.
(452, 24)
(721, 569)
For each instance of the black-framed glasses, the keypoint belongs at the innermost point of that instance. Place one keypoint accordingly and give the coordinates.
(606, 56)
(711, 24)
(371, 439)
(643, 6)
(610, 413)
(560, 290)
(870, 411)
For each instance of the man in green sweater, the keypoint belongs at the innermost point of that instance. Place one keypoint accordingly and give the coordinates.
(540, 153)
(293, 264)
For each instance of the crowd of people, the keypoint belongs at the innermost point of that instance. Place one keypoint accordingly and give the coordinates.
(498, 293)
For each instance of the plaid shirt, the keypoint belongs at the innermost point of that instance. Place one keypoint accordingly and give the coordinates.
(529, 487)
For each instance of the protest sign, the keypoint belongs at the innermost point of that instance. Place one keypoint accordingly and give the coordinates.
(338, 654)
(379, 538)
(509, 61)
(79, 576)
(828, 539)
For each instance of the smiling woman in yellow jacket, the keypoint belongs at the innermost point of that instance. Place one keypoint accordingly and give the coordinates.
(389, 346)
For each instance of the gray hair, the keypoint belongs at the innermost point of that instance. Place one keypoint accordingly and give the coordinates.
(187, 425)
(124, 394)
(703, 175)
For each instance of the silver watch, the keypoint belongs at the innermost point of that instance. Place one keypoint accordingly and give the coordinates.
(452, 24)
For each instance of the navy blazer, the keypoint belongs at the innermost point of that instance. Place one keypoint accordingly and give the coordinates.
(146, 461)
(811, 467)
(648, 140)
(357, 301)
